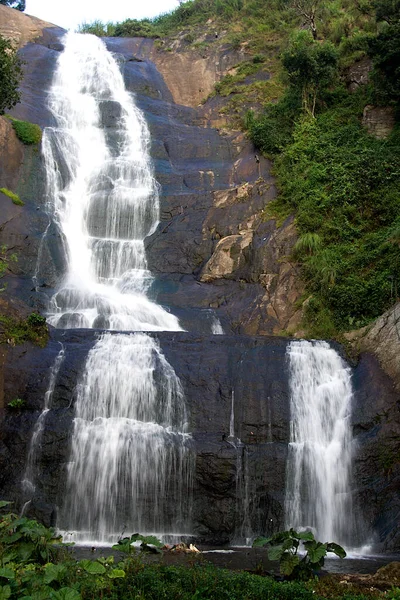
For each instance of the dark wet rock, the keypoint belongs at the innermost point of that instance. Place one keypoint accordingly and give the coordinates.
(210, 368)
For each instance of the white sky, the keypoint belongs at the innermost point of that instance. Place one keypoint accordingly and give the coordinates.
(71, 13)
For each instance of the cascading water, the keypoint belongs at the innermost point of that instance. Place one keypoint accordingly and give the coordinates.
(318, 492)
(31, 471)
(101, 194)
(130, 464)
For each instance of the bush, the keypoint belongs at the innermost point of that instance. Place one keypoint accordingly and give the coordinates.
(28, 133)
(10, 75)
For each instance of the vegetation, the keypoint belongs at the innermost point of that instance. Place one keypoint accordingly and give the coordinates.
(35, 565)
(5, 259)
(340, 182)
(14, 197)
(284, 547)
(16, 404)
(10, 75)
(17, 331)
(28, 133)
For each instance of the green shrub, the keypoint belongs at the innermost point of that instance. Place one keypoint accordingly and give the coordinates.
(284, 547)
(28, 133)
(17, 403)
(14, 197)
(18, 331)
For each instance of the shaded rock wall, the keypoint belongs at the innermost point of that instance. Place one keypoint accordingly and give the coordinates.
(239, 486)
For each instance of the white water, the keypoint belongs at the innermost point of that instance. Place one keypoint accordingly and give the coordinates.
(31, 471)
(130, 464)
(101, 193)
(318, 494)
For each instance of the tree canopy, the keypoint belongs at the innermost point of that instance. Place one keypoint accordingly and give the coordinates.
(10, 75)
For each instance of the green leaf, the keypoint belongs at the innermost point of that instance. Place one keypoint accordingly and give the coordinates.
(65, 593)
(42, 594)
(4, 503)
(288, 563)
(338, 550)
(5, 592)
(306, 535)
(315, 554)
(116, 574)
(151, 539)
(275, 553)
(261, 541)
(290, 544)
(7, 573)
(92, 567)
(54, 572)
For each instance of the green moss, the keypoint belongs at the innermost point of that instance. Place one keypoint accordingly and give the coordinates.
(28, 133)
(14, 197)
(17, 331)
(16, 404)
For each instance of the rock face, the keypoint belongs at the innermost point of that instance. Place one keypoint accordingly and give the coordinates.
(379, 120)
(383, 339)
(19, 27)
(240, 480)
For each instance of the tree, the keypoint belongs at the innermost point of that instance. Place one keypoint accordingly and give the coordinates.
(10, 75)
(385, 50)
(18, 4)
(308, 9)
(310, 66)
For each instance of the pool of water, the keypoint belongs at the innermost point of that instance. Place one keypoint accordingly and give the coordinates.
(252, 559)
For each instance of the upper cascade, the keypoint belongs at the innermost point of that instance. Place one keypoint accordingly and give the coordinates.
(101, 193)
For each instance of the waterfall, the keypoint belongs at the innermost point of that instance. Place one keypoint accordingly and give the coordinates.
(130, 466)
(101, 194)
(318, 472)
(31, 470)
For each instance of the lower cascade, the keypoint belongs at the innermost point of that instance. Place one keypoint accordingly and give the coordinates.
(318, 492)
(130, 467)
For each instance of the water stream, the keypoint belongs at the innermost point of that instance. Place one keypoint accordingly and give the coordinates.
(130, 466)
(318, 494)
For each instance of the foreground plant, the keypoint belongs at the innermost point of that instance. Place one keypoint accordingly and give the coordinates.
(284, 547)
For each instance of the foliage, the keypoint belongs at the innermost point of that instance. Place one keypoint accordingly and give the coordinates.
(17, 331)
(25, 541)
(17, 404)
(272, 131)
(148, 543)
(97, 28)
(14, 197)
(10, 75)
(5, 259)
(385, 51)
(342, 185)
(35, 565)
(28, 133)
(311, 67)
(284, 546)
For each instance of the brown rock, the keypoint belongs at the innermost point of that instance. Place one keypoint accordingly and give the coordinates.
(190, 75)
(383, 339)
(20, 27)
(358, 74)
(228, 257)
(379, 120)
